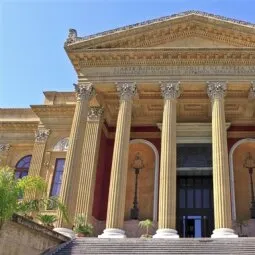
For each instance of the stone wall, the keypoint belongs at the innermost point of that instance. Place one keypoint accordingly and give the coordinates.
(21, 236)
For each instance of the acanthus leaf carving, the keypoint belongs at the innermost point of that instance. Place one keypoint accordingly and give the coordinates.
(170, 89)
(84, 91)
(4, 147)
(95, 113)
(252, 91)
(41, 135)
(126, 90)
(216, 89)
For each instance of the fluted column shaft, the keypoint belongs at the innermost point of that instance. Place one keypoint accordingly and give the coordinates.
(117, 192)
(221, 183)
(167, 183)
(89, 163)
(41, 137)
(69, 186)
(167, 191)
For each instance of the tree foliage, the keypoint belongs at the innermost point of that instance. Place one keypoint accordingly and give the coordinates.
(13, 190)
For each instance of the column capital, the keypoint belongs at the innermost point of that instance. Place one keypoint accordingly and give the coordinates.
(95, 113)
(41, 135)
(170, 89)
(126, 90)
(216, 89)
(4, 147)
(84, 90)
(252, 91)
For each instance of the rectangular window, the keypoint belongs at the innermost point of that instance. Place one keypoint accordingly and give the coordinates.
(57, 179)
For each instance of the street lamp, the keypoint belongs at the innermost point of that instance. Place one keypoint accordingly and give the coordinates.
(137, 166)
(249, 163)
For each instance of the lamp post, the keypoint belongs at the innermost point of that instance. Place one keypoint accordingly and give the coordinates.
(137, 166)
(249, 163)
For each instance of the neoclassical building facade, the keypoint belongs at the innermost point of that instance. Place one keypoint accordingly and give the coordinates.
(160, 126)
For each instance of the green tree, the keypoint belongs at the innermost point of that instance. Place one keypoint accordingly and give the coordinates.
(12, 190)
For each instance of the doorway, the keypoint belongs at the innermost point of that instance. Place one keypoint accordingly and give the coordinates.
(194, 206)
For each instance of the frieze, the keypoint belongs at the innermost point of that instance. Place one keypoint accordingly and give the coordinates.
(170, 70)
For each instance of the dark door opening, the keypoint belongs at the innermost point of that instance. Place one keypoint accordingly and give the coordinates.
(194, 206)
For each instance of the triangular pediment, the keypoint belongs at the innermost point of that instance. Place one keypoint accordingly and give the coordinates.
(194, 42)
(188, 29)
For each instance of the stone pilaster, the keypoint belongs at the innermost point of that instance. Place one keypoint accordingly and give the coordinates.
(69, 187)
(41, 137)
(117, 191)
(221, 183)
(167, 183)
(89, 163)
(4, 151)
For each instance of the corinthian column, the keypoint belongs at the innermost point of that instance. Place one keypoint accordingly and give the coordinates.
(167, 183)
(4, 151)
(69, 186)
(41, 137)
(117, 191)
(221, 185)
(89, 163)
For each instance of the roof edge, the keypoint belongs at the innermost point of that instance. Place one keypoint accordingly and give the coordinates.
(73, 38)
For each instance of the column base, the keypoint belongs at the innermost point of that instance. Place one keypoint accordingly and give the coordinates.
(65, 231)
(166, 233)
(224, 233)
(113, 233)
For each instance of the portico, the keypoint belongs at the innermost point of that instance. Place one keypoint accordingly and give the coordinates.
(195, 72)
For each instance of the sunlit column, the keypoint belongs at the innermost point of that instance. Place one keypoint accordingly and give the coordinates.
(117, 191)
(221, 184)
(69, 186)
(167, 183)
(89, 163)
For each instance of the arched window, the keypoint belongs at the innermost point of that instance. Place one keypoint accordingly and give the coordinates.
(21, 168)
(61, 145)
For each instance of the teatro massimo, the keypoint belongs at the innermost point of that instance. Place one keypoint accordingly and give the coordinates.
(160, 125)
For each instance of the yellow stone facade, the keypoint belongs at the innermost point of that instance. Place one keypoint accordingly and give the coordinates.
(180, 80)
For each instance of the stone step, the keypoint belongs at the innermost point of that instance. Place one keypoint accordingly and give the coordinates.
(207, 246)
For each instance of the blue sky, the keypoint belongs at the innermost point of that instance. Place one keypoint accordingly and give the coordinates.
(32, 35)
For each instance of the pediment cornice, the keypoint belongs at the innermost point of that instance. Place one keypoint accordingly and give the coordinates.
(151, 34)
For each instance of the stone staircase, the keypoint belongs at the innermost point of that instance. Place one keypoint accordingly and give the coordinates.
(156, 246)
